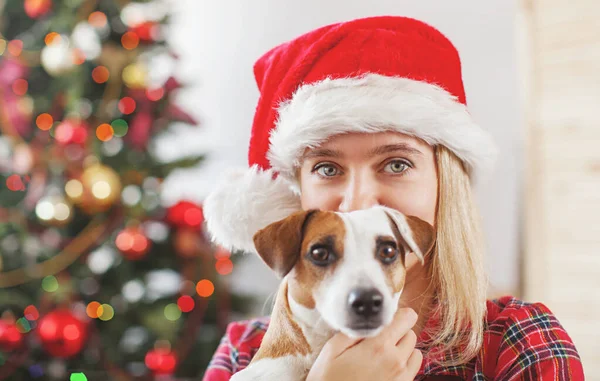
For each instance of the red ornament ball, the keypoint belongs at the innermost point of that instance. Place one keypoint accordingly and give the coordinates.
(62, 334)
(133, 243)
(185, 214)
(10, 337)
(161, 361)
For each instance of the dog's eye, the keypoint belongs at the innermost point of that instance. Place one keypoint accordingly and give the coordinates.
(321, 256)
(387, 253)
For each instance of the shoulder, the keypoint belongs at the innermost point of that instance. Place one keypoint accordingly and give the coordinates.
(526, 339)
(237, 347)
(247, 333)
(509, 309)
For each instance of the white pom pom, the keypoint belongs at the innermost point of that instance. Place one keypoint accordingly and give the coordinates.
(245, 202)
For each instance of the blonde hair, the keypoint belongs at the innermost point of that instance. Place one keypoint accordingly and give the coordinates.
(456, 267)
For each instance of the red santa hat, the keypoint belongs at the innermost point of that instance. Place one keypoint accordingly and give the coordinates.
(367, 75)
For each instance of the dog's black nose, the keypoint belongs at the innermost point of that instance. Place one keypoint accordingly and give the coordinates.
(365, 302)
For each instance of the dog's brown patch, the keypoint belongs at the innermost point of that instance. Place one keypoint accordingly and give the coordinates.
(284, 336)
(306, 277)
(395, 273)
(278, 244)
(423, 234)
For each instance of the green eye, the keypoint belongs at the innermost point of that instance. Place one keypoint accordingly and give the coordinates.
(327, 170)
(396, 166)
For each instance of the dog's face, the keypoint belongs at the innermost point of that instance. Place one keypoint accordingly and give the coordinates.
(350, 267)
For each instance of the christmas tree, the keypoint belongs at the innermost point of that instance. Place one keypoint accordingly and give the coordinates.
(98, 279)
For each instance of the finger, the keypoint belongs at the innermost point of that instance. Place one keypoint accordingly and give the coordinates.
(339, 344)
(403, 321)
(407, 344)
(413, 365)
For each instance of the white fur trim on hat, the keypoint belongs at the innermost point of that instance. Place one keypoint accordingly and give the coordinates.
(244, 202)
(375, 103)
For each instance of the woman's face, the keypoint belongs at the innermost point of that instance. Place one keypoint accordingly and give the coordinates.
(356, 171)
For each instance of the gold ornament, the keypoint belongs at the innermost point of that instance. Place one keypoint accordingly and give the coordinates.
(97, 190)
(54, 210)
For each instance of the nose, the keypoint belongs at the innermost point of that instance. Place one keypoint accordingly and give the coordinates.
(365, 302)
(361, 192)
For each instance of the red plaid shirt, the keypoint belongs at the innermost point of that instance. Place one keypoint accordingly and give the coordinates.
(522, 341)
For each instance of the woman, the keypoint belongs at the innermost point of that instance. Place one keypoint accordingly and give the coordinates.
(373, 111)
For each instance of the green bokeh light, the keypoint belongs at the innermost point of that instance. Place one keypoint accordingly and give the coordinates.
(120, 127)
(107, 312)
(172, 312)
(50, 284)
(78, 377)
(23, 325)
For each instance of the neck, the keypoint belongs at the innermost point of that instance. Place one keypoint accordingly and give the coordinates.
(418, 294)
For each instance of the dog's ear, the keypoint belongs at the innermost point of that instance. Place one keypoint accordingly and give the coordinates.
(418, 235)
(279, 243)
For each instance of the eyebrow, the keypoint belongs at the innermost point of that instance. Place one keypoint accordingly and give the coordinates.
(380, 150)
(398, 147)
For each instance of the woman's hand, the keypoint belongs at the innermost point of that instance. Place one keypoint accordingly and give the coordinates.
(391, 355)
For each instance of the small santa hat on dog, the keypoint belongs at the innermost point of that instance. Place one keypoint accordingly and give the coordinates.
(368, 75)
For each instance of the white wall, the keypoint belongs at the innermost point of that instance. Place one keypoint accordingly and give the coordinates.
(219, 41)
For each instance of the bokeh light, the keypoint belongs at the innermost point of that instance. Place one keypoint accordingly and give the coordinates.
(107, 312)
(172, 312)
(78, 377)
(93, 309)
(71, 332)
(31, 313)
(36, 8)
(133, 242)
(127, 105)
(23, 325)
(105, 132)
(155, 94)
(224, 266)
(161, 361)
(120, 127)
(49, 283)
(74, 189)
(130, 40)
(222, 253)
(52, 38)
(44, 121)
(134, 76)
(101, 190)
(97, 19)
(62, 212)
(14, 183)
(2, 46)
(185, 303)
(205, 288)
(78, 56)
(64, 132)
(35, 370)
(20, 86)
(100, 74)
(15, 47)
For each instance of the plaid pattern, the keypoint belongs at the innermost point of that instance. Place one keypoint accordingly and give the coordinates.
(522, 341)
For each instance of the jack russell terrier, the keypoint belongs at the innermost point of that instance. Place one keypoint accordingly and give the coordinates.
(341, 272)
